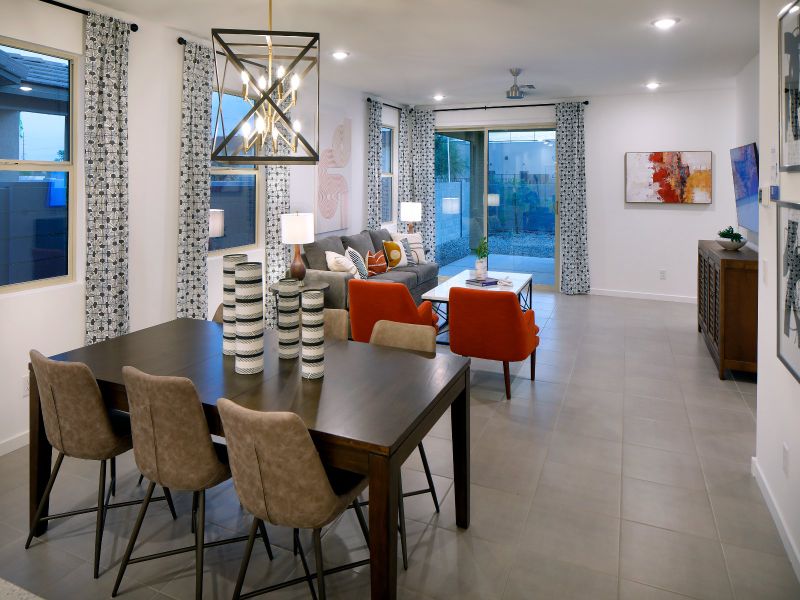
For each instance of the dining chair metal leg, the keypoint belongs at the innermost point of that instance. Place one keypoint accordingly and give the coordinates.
(194, 510)
(248, 551)
(45, 498)
(295, 541)
(134, 534)
(98, 529)
(507, 379)
(299, 549)
(199, 537)
(320, 567)
(362, 522)
(533, 365)
(428, 475)
(141, 479)
(402, 513)
(113, 475)
(168, 496)
(265, 536)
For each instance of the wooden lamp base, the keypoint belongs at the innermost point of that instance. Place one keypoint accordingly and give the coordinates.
(297, 269)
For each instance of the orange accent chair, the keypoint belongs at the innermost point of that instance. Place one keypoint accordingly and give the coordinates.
(491, 325)
(373, 301)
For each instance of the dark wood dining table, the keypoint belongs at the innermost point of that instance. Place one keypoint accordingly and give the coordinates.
(367, 414)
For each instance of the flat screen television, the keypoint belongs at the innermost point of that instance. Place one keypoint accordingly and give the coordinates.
(744, 164)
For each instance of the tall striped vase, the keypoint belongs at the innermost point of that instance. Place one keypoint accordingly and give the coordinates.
(313, 354)
(249, 318)
(229, 262)
(288, 318)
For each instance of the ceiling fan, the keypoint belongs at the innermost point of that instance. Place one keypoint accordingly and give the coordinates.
(518, 92)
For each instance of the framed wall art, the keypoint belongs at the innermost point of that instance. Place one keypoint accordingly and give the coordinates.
(789, 81)
(675, 177)
(788, 243)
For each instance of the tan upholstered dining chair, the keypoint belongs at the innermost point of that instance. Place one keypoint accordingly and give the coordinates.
(280, 479)
(416, 338)
(337, 324)
(78, 425)
(173, 447)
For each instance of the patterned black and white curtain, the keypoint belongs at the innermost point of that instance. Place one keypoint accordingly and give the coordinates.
(195, 182)
(423, 171)
(405, 181)
(276, 253)
(571, 161)
(374, 121)
(106, 169)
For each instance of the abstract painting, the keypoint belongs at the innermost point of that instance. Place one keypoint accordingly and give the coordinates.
(789, 286)
(333, 176)
(668, 177)
(789, 81)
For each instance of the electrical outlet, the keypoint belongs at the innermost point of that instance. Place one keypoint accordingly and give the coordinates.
(785, 459)
(662, 275)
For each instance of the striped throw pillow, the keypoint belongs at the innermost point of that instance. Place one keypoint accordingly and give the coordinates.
(415, 241)
(358, 262)
(376, 263)
(412, 259)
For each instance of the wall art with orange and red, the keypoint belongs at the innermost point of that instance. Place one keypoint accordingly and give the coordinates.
(668, 177)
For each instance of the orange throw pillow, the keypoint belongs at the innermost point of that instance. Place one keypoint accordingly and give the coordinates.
(376, 263)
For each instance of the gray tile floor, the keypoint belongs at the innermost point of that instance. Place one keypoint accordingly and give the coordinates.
(622, 472)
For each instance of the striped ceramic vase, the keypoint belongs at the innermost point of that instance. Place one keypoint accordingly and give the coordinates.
(229, 262)
(313, 355)
(288, 318)
(249, 318)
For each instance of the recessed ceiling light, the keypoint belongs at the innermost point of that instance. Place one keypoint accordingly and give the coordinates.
(666, 23)
(340, 55)
(653, 85)
(438, 97)
(26, 88)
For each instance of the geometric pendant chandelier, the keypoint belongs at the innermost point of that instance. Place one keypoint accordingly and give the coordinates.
(272, 79)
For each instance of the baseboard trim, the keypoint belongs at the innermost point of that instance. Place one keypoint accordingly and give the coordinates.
(14, 443)
(644, 296)
(791, 545)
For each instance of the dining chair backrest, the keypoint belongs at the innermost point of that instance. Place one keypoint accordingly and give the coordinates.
(171, 441)
(76, 419)
(420, 338)
(276, 469)
(337, 324)
(217, 318)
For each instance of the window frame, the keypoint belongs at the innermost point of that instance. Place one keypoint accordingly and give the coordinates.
(67, 166)
(392, 175)
(238, 170)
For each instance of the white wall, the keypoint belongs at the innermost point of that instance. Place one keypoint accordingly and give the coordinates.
(778, 415)
(747, 118)
(629, 245)
(155, 63)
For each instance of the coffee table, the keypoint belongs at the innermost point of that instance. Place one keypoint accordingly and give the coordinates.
(439, 297)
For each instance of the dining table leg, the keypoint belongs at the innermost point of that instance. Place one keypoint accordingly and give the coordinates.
(459, 421)
(383, 490)
(40, 454)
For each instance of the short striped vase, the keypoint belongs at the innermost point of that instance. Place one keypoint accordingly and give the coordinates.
(229, 262)
(249, 319)
(288, 318)
(313, 355)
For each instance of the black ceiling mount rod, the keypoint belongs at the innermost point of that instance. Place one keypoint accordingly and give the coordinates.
(585, 102)
(134, 26)
(385, 104)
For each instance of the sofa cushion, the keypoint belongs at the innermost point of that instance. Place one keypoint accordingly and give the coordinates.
(360, 242)
(315, 252)
(426, 272)
(406, 277)
(379, 236)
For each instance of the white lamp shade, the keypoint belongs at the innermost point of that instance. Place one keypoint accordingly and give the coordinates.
(493, 199)
(216, 223)
(451, 206)
(411, 212)
(297, 228)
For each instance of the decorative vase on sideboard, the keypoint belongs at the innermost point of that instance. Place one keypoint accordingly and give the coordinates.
(313, 335)
(229, 262)
(288, 318)
(249, 318)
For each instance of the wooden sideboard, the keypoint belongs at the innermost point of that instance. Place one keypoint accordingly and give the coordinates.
(727, 305)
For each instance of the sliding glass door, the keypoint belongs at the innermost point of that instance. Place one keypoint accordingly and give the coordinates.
(500, 184)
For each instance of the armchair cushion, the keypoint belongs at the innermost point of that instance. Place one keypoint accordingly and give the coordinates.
(373, 301)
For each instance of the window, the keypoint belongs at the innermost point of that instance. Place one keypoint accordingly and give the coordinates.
(36, 167)
(387, 174)
(233, 189)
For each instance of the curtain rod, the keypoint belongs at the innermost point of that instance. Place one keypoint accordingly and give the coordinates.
(134, 26)
(387, 104)
(585, 102)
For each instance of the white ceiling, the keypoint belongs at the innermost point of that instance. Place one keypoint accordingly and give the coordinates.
(408, 51)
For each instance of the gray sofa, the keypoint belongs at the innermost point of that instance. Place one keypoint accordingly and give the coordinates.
(418, 278)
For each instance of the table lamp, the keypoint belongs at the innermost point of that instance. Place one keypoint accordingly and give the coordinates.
(411, 212)
(493, 199)
(297, 228)
(216, 223)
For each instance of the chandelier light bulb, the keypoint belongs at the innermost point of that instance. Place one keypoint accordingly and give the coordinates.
(274, 132)
(261, 125)
(296, 126)
(295, 82)
(245, 77)
(246, 130)
(281, 72)
(262, 82)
